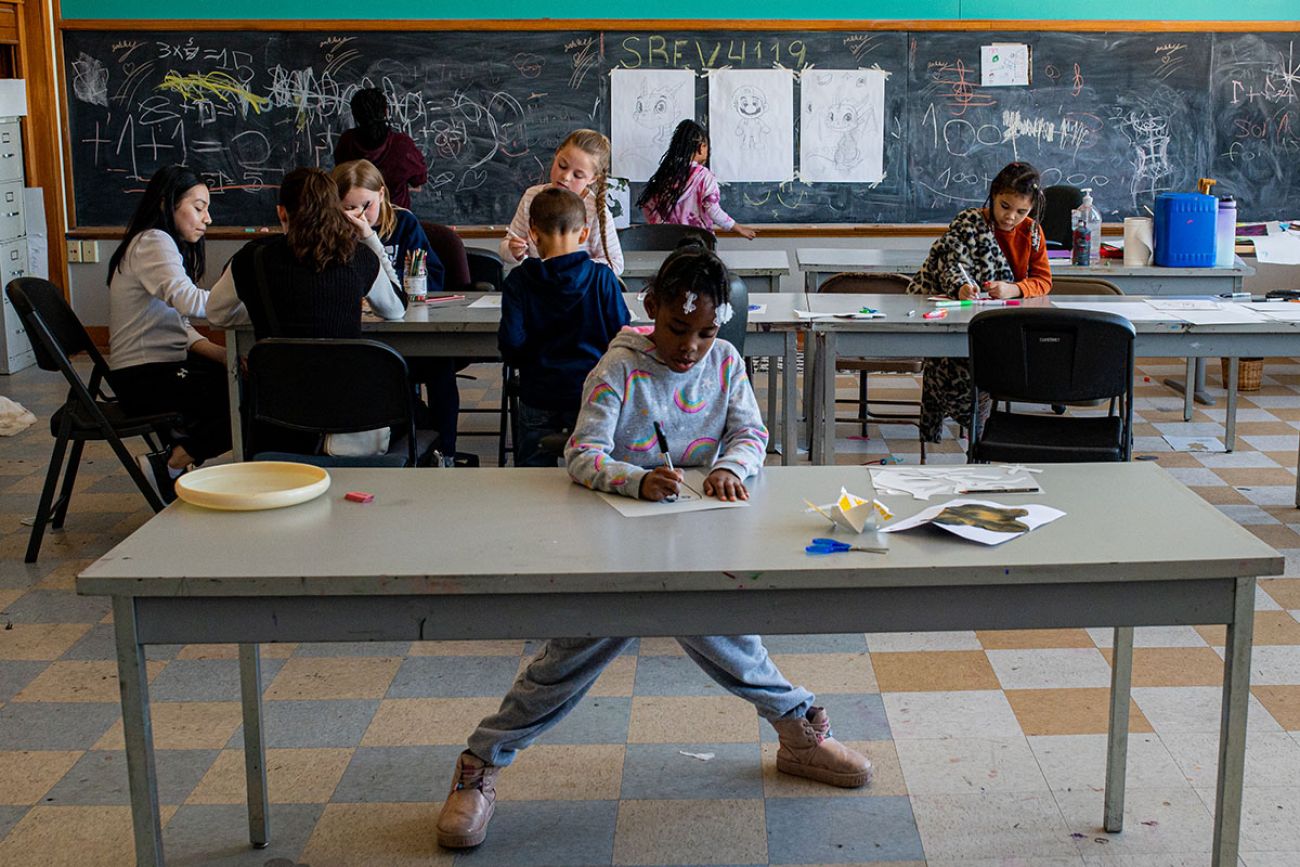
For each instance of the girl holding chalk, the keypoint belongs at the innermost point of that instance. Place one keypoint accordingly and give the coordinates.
(997, 251)
(581, 165)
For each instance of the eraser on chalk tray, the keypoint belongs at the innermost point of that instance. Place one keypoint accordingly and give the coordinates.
(359, 496)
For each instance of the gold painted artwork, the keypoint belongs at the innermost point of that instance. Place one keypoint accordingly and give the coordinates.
(984, 517)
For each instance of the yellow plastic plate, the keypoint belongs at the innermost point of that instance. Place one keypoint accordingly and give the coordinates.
(253, 485)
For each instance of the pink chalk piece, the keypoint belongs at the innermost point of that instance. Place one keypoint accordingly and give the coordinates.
(359, 497)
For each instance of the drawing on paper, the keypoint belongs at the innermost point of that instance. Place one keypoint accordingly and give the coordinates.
(645, 106)
(752, 114)
(842, 131)
(90, 80)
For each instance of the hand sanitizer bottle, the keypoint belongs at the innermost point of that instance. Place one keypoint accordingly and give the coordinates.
(1085, 225)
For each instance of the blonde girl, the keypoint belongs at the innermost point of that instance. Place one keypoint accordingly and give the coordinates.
(581, 165)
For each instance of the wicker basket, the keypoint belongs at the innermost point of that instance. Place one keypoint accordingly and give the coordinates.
(1250, 373)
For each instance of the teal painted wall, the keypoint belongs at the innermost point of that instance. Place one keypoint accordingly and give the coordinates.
(294, 10)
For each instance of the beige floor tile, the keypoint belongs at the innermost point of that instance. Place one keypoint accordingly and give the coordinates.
(1285, 591)
(1174, 666)
(886, 775)
(690, 832)
(658, 646)
(72, 837)
(1271, 628)
(828, 672)
(306, 776)
(691, 719)
(184, 725)
(231, 651)
(64, 576)
(1276, 535)
(81, 680)
(1221, 495)
(426, 721)
(29, 774)
(35, 641)
(934, 671)
(328, 677)
(564, 772)
(1283, 702)
(1021, 639)
(467, 648)
(1082, 711)
(1248, 477)
(376, 835)
(617, 679)
(8, 597)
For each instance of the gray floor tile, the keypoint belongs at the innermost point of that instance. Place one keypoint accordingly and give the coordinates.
(99, 777)
(599, 720)
(205, 679)
(54, 725)
(854, 717)
(672, 675)
(524, 834)
(16, 674)
(217, 836)
(98, 643)
(446, 676)
(853, 642)
(291, 724)
(9, 817)
(841, 830)
(661, 772)
(397, 774)
(532, 645)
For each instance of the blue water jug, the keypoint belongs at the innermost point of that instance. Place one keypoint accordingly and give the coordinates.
(1185, 230)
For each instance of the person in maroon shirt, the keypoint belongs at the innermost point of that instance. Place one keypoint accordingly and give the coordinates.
(395, 153)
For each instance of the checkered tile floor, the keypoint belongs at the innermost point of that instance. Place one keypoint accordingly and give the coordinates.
(988, 745)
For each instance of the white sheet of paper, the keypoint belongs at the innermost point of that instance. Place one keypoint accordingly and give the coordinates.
(1193, 444)
(1279, 249)
(1130, 311)
(645, 106)
(1004, 64)
(751, 124)
(1037, 515)
(1283, 311)
(1224, 314)
(1181, 304)
(687, 501)
(925, 482)
(809, 314)
(842, 131)
(487, 302)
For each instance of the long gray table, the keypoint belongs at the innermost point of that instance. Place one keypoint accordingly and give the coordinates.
(567, 564)
(899, 335)
(761, 270)
(457, 330)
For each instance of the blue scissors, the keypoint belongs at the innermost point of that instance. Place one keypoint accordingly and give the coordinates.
(834, 546)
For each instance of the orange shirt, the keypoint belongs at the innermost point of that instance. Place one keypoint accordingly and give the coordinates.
(1032, 271)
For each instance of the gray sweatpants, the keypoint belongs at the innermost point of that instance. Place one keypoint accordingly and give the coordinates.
(562, 672)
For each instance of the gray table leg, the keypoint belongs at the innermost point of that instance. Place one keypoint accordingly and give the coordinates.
(1297, 477)
(1121, 677)
(250, 690)
(772, 418)
(810, 397)
(1230, 420)
(826, 399)
(789, 401)
(141, 772)
(232, 389)
(1232, 730)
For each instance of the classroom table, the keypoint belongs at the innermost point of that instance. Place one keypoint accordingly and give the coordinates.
(761, 270)
(899, 335)
(1149, 553)
(457, 330)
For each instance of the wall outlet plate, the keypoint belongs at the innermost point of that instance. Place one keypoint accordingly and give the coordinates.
(74, 251)
(89, 251)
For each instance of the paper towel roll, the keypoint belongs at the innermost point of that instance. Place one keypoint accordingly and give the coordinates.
(1138, 241)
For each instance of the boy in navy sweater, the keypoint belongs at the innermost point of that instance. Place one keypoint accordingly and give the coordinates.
(558, 314)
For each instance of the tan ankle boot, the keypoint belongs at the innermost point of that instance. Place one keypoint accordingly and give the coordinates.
(808, 750)
(468, 809)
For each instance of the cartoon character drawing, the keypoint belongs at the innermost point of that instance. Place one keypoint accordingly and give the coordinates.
(656, 109)
(845, 118)
(751, 104)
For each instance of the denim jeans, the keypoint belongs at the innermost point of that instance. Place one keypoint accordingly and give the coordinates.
(534, 424)
(565, 668)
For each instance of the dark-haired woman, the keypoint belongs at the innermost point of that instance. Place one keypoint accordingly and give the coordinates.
(683, 190)
(393, 152)
(158, 362)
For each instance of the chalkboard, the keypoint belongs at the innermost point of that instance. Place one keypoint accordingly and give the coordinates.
(1129, 114)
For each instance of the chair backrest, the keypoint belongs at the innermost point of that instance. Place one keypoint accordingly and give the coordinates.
(1058, 201)
(55, 331)
(1045, 355)
(1071, 285)
(662, 236)
(734, 331)
(485, 266)
(864, 283)
(329, 386)
(451, 253)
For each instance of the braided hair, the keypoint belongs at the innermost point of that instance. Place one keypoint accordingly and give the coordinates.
(692, 267)
(668, 182)
(370, 114)
(596, 146)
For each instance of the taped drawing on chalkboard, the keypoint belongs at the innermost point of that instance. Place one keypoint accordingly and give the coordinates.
(842, 136)
(751, 123)
(645, 106)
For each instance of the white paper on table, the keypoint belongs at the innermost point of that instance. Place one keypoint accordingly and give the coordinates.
(1004, 64)
(1181, 304)
(1035, 517)
(1224, 314)
(645, 106)
(852, 512)
(486, 302)
(687, 501)
(1132, 311)
(925, 482)
(751, 124)
(1279, 249)
(1194, 444)
(1283, 311)
(848, 314)
(842, 131)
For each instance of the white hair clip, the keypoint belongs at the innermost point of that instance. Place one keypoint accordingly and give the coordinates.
(722, 314)
(688, 305)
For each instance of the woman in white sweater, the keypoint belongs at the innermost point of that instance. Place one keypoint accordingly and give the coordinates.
(159, 363)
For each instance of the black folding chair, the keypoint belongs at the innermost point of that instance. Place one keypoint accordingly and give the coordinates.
(662, 236)
(88, 414)
(1050, 356)
(316, 387)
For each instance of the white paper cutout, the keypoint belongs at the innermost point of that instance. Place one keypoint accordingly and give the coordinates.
(1035, 516)
(751, 124)
(618, 194)
(1004, 64)
(853, 513)
(842, 130)
(645, 107)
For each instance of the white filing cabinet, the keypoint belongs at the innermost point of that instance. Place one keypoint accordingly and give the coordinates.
(15, 348)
